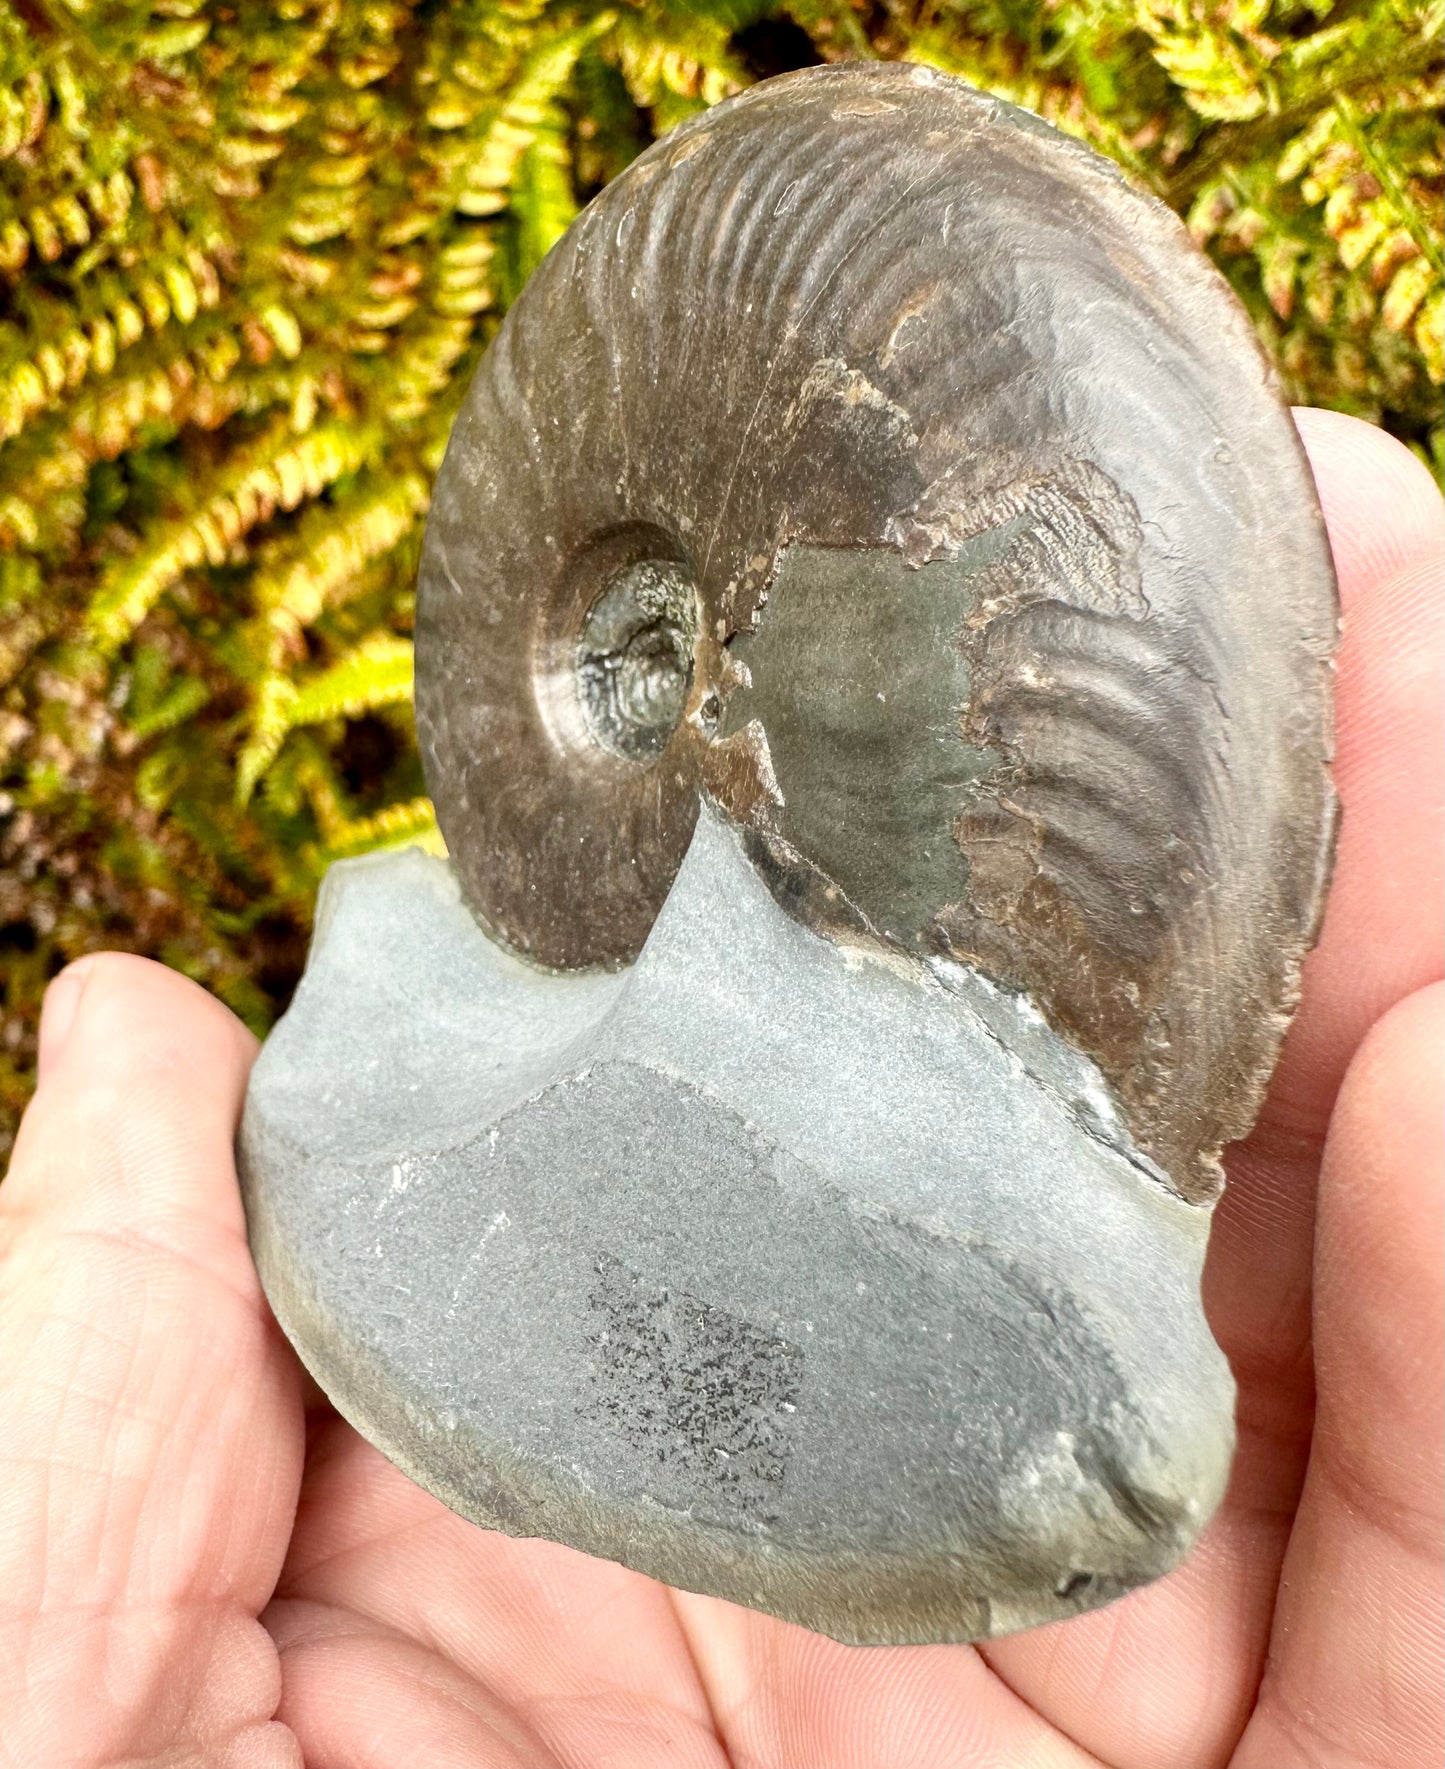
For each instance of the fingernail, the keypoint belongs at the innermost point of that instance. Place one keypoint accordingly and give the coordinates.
(58, 1011)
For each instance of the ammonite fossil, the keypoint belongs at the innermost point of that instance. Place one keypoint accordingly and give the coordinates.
(873, 650)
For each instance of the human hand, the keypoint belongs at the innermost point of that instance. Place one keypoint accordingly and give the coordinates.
(200, 1564)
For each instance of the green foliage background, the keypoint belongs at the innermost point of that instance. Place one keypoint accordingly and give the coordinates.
(250, 253)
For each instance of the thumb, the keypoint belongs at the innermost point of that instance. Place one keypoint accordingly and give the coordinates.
(141, 1079)
(1354, 1662)
(150, 1425)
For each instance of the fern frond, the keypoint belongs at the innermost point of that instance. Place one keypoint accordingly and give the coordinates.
(377, 673)
(279, 474)
(412, 824)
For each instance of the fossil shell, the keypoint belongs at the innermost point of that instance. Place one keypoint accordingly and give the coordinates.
(875, 502)
(872, 458)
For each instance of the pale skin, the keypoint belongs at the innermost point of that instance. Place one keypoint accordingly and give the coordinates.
(201, 1567)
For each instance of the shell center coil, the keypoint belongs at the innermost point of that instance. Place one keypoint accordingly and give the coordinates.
(634, 661)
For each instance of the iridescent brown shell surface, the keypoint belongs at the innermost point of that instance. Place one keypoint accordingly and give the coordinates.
(875, 460)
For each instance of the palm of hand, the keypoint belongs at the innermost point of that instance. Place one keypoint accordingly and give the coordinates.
(153, 1430)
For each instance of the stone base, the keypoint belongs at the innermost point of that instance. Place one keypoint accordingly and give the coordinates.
(773, 1270)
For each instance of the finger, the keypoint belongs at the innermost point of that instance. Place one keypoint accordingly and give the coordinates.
(146, 1073)
(1381, 940)
(1381, 505)
(149, 1419)
(358, 1696)
(786, 1697)
(1354, 1663)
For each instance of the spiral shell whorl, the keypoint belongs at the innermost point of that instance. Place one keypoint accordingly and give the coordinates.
(871, 360)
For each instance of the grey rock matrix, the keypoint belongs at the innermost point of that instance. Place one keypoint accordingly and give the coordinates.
(758, 1266)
